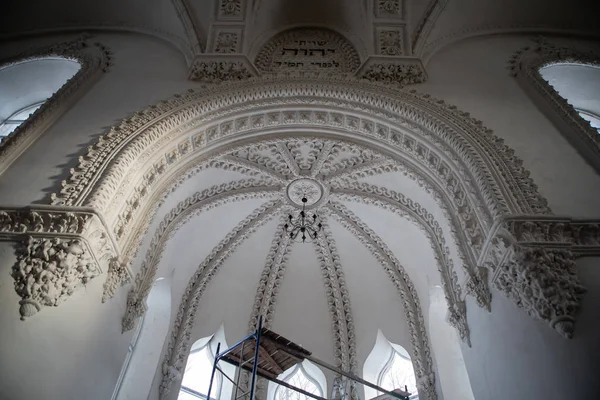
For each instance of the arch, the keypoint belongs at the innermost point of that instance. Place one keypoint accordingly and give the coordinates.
(452, 372)
(379, 362)
(400, 123)
(93, 59)
(143, 356)
(310, 373)
(526, 64)
(199, 363)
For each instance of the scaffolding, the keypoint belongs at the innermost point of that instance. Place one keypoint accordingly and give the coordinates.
(266, 354)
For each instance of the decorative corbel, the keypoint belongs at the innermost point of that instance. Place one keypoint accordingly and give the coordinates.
(58, 250)
(532, 261)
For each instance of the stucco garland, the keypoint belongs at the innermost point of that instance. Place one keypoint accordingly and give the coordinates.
(418, 336)
(178, 348)
(419, 216)
(94, 59)
(338, 300)
(525, 64)
(212, 197)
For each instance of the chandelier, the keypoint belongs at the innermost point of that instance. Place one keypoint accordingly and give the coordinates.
(303, 226)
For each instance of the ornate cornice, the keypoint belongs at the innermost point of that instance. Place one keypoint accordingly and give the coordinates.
(178, 348)
(525, 64)
(217, 68)
(94, 59)
(58, 250)
(398, 71)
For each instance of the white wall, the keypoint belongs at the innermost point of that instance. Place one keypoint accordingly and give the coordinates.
(75, 351)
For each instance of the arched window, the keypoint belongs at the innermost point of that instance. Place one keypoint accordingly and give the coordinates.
(398, 373)
(390, 367)
(196, 377)
(306, 376)
(25, 86)
(578, 84)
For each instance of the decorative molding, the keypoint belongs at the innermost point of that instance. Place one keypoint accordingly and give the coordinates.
(308, 49)
(219, 68)
(400, 71)
(388, 9)
(426, 117)
(532, 261)
(525, 65)
(183, 13)
(271, 278)
(59, 249)
(94, 60)
(338, 300)
(210, 198)
(231, 10)
(227, 39)
(422, 362)
(390, 40)
(178, 348)
(426, 24)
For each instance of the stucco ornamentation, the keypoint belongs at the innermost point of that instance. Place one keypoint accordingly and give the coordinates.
(304, 188)
(419, 338)
(532, 262)
(338, 300)
(399, 71)
(525, 65)
(390, 42)
(178, 348)
(231, 9)
(173, 220)
(388, 8)
(48, 271)
(94, 59)
(60, 249)
(217, 69)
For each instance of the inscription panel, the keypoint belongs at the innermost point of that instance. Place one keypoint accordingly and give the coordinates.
(308, 49)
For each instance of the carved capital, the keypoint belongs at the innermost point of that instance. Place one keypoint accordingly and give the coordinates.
(544, 283)
(220, 68)
(49, 270)
(58, 250)
(397, 70)
(136, 307)
(533, 263)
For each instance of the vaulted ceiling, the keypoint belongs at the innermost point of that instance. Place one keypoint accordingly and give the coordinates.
(188, 24)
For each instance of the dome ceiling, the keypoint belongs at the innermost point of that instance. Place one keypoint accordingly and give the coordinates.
(248, 266)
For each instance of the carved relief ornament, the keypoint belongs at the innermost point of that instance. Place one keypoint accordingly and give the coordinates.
(531, 260)
(58, 250)
(94, 60)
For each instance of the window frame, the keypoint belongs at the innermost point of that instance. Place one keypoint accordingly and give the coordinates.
(299, 368)
(211, 354)
(94, 60)
(388, 365)
(525, 66)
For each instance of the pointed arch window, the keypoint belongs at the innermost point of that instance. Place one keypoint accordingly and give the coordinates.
(398, 372)
(389, 366)
(196, 378)
(300, 379)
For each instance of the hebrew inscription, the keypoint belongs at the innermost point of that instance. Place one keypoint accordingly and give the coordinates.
(308, 49)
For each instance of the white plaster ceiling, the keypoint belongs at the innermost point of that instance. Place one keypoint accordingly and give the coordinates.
(461, 18)
(187, 23)
(301, 310)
